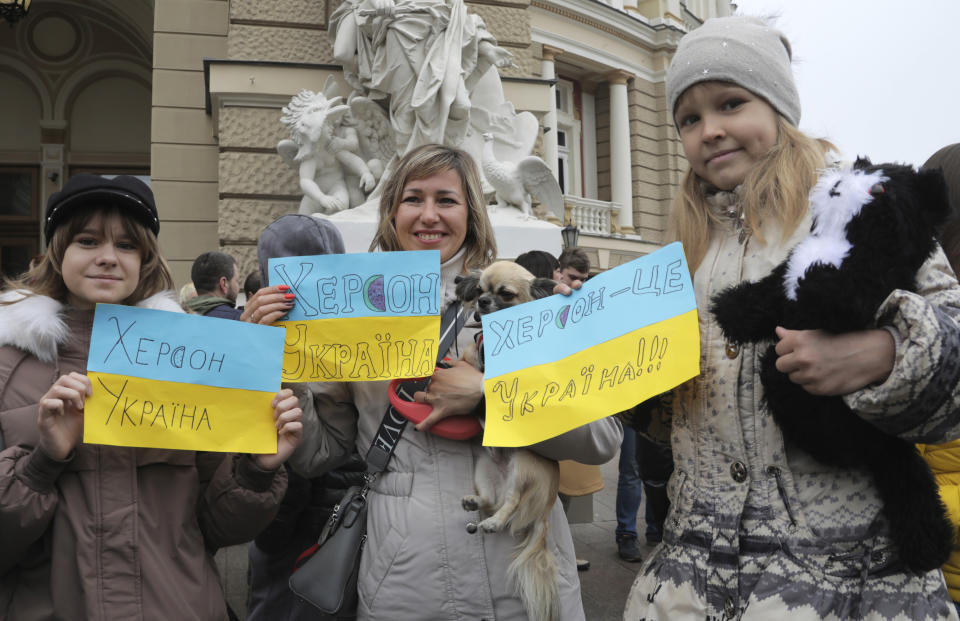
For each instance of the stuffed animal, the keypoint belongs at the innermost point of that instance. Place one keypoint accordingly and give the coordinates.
(873, 228)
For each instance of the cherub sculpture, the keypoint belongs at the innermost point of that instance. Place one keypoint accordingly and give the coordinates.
(337, 164)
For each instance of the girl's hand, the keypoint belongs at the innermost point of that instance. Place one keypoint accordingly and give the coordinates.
(287, 416)
(268, 305)
(60, 420)
(565, 289)
(452, 392)
(835, 364)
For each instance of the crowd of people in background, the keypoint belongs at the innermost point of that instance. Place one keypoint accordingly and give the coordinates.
(745, 525)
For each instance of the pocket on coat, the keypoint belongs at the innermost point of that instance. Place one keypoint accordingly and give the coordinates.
(681, 503)
(378, 557)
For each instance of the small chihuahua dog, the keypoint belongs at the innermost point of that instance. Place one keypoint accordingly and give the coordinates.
(515, 487)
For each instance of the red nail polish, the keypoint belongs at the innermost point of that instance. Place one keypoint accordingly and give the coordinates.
(282, 287)
(289, 296)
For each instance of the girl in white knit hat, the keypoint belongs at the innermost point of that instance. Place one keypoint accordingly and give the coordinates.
(759, 529)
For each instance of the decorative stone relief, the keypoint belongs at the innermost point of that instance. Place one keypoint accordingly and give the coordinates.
(272, 43)
(312, 12)
(255, 173)
(526, 64)
(244, 220)
(511, 26)
(250, 127)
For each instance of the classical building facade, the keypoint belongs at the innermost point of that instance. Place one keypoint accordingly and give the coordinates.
(187, 94)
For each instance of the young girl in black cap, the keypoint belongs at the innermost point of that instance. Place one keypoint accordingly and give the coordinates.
(108, 532)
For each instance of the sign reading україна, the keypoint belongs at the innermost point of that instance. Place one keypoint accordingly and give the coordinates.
(360, 317)
(179, 381)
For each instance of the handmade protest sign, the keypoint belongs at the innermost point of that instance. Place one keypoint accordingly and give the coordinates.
(178, 381)
(560, 362)
(360, 317)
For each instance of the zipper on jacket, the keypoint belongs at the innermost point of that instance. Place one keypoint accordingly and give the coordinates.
(775, 471)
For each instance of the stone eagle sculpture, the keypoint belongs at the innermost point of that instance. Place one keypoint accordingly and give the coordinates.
(515, 182)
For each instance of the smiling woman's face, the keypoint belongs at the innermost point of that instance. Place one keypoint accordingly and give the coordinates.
(432, 214)
(101, 264)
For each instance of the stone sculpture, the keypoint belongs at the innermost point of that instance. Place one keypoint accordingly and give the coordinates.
(337, 164)
(515, 182)
(421, 71)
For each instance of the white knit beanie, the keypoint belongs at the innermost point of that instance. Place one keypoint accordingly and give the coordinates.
(741, 50)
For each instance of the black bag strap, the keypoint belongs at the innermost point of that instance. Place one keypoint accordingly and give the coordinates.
(393, 423)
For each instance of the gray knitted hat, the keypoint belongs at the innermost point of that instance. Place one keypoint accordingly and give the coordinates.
(741, 50)
(296, 235)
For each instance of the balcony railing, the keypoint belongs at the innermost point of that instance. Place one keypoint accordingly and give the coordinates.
(591, 216)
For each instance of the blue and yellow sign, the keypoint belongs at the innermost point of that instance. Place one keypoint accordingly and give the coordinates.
(360, 317)
(555, 364)
(178, 381)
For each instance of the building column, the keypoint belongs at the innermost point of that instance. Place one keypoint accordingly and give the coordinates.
(548, 72)
(621, 167)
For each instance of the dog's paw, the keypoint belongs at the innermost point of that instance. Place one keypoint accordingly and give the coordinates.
(491, 525)
(470, 503)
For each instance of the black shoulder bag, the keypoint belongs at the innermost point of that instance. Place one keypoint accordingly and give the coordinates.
(325, 576)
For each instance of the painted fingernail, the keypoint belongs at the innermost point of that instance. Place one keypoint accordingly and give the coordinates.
(288, 304)
(289, 296)
(283, 287)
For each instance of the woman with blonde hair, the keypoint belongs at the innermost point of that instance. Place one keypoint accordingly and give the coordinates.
(420, 562)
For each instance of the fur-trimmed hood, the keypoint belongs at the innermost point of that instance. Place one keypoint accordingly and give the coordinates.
(34, 323)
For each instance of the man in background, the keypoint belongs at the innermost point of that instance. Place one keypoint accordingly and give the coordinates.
(574, 265)
(214, 274)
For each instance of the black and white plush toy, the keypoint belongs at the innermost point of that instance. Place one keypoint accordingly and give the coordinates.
(873, 228)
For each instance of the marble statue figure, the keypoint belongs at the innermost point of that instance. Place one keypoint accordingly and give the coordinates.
(338, 165)
(515, 182)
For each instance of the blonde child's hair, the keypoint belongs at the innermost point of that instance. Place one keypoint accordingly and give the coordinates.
(46, 278)
(426, 161)
(775, 190)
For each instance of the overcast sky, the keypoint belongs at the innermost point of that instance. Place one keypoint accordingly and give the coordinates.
(877, 77)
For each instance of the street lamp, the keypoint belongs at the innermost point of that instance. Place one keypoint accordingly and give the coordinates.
(13, 10)
(570, 234)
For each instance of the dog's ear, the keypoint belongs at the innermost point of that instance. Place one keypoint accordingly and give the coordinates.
(468, 287)
(541, 288)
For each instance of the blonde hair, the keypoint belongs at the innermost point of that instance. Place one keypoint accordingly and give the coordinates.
(426, 161)
(775, 190)
(46, 278)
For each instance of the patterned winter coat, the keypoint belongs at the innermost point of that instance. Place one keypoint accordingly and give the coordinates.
(759, 530)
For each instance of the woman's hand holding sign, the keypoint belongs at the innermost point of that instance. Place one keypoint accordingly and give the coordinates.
(61, 415)
(268, 305)
(287, 415)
